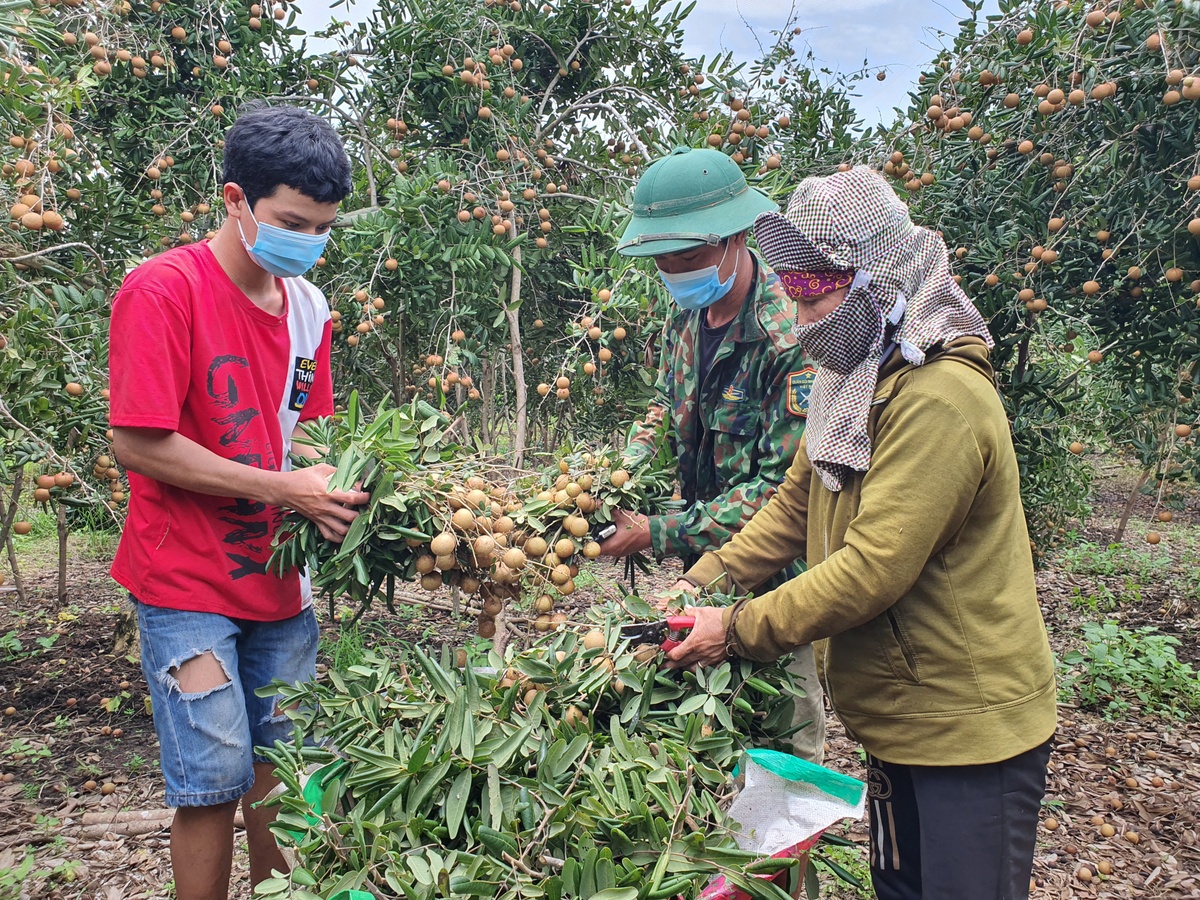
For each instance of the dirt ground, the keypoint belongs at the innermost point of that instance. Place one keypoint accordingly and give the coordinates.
(76, 713)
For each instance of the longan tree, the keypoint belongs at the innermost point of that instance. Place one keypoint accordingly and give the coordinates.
(113, 115)
(1056, 148)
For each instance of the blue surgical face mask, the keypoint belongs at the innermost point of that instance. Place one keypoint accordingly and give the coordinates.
(286, 254)
(701, 288)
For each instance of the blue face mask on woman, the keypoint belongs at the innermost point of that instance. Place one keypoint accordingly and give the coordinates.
(283, 253)
(701, 288)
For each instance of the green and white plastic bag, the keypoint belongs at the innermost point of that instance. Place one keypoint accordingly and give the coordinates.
(786, 800)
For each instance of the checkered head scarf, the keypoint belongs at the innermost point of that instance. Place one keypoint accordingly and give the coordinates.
(902, 291)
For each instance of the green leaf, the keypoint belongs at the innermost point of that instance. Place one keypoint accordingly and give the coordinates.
(494, 800)
(456, 802)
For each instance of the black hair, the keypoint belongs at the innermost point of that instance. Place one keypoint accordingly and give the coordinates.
(273, 145)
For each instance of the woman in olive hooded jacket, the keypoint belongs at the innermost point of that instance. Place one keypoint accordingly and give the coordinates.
(904, 500)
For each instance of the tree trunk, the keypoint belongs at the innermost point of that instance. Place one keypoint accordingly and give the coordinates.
(1129, 505)
(486, 383)
(493, 415)
(500, 640)
(61, 513)
(10, 516)
(401, 363)
(1023, 352)
(464, 426)
(512, 314)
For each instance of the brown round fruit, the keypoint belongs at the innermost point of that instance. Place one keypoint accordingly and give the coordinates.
(484, 547)
(485, 627)
(443, 544)
(646, 653)
(492, 606)
(594, 640)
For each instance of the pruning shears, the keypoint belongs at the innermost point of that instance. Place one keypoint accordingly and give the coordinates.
(669, 632)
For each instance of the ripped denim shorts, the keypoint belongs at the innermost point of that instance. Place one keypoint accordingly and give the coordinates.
(207, 738)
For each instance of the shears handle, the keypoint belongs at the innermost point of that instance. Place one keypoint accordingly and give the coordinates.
(676, 628)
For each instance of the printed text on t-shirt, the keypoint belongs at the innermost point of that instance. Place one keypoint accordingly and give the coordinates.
(304, 373)
(249, 531)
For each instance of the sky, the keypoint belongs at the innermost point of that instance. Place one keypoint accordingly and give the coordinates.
(899, 36)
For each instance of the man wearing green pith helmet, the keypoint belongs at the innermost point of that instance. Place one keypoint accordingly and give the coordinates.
(732, 388)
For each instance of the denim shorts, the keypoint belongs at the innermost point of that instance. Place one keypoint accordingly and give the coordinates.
(207, 739)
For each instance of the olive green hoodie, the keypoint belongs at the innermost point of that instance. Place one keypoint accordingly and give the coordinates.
(919, 575)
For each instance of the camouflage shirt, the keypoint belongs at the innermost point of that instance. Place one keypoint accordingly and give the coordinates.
(735, 435)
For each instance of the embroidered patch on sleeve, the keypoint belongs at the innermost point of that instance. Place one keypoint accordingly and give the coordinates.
(799, 386)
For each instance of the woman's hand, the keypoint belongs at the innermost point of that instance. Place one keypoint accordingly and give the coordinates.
(705, 644)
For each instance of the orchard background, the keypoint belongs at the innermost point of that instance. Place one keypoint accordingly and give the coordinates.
(495, 145)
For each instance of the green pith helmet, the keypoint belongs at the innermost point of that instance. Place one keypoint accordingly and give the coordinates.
(689, 198)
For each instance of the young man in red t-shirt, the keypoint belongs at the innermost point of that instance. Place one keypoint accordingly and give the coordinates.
(219, 350)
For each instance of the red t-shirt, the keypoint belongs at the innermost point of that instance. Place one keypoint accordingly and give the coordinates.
(190, 352)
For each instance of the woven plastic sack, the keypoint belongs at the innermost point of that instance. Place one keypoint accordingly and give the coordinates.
(783, 808)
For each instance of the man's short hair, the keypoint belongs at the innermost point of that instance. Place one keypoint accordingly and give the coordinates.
(273, 145)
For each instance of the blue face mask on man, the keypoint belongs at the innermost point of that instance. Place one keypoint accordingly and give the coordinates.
(283, 253)
(701, 288)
